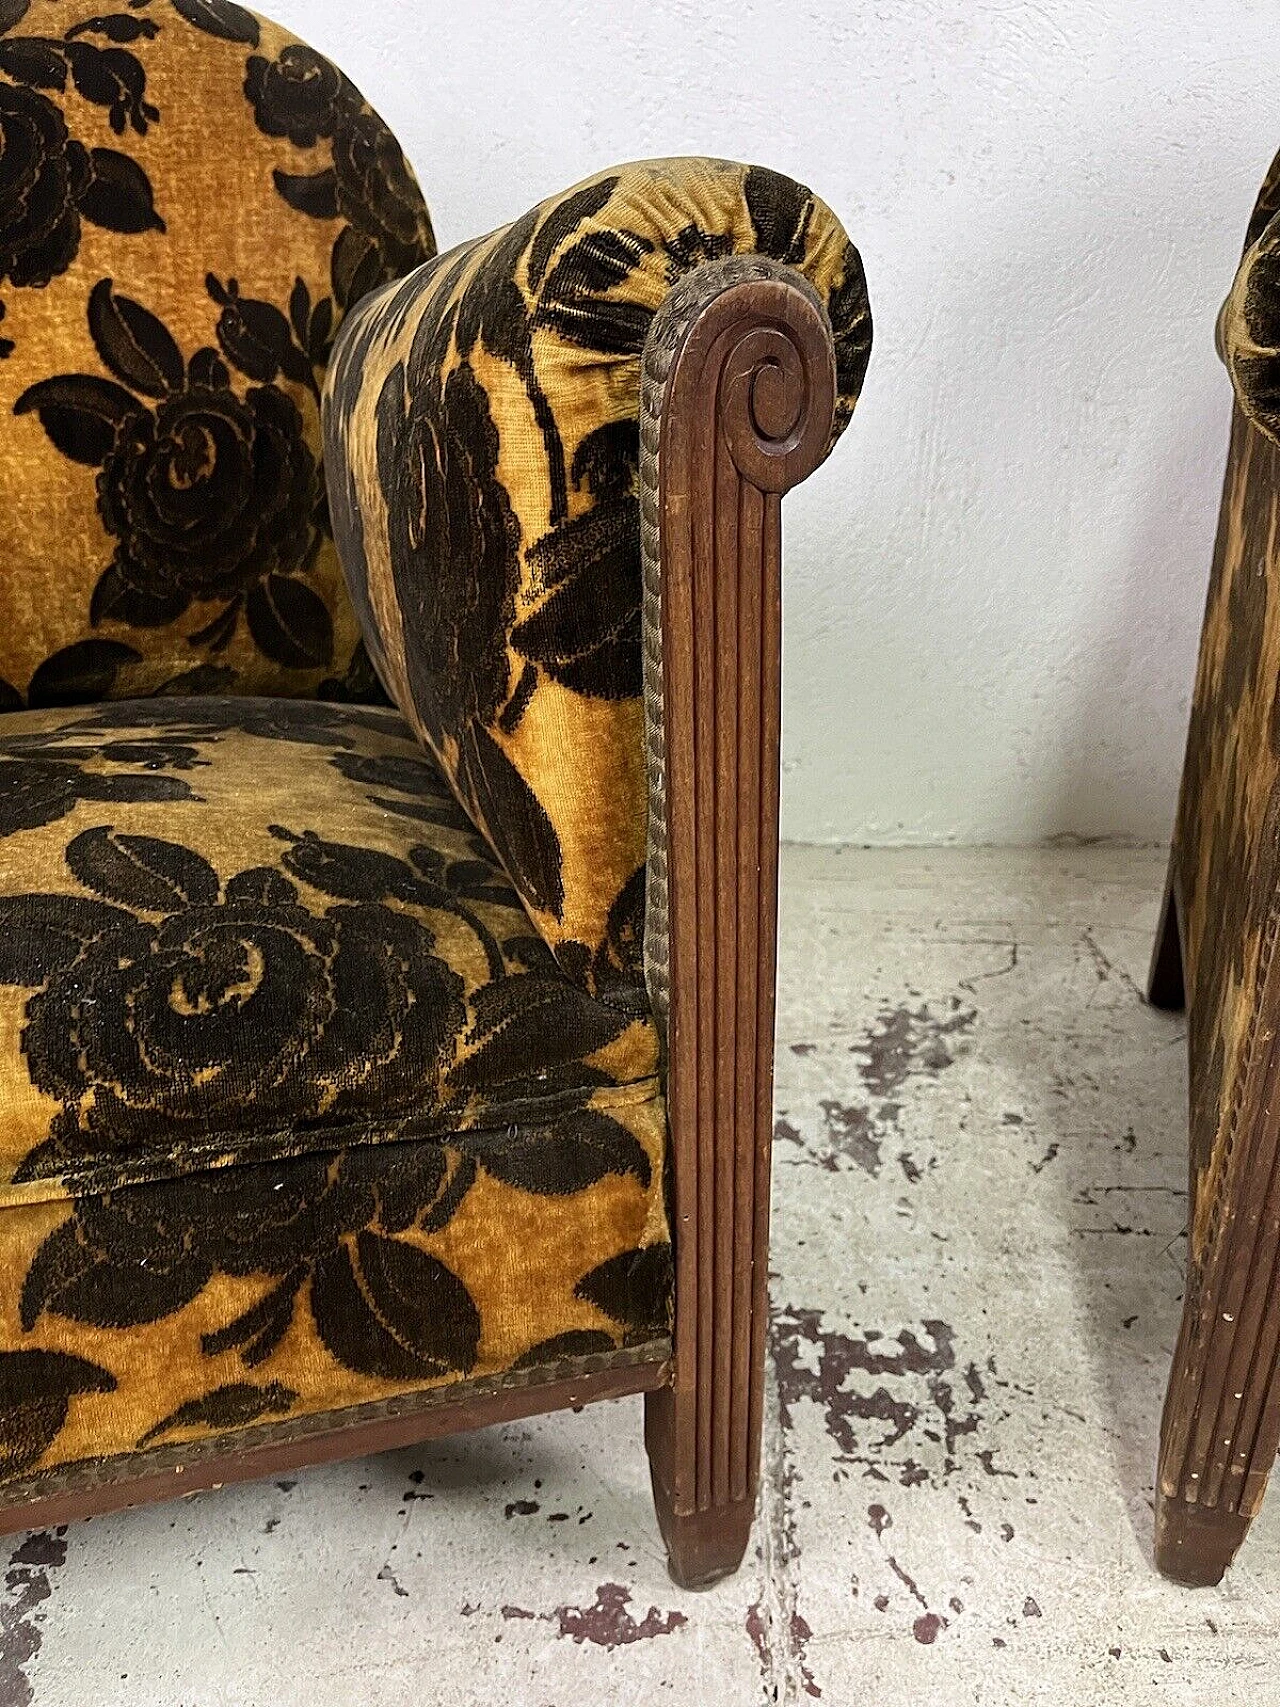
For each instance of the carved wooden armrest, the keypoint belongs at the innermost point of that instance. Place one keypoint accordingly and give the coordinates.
(737, 407)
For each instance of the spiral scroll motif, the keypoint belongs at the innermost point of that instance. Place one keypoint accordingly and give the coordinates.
(776, 405)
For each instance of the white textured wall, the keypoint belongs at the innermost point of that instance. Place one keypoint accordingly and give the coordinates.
(994, 588)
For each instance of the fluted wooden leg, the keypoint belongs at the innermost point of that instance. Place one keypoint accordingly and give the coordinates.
(702, 1545)
(737, 406)
(1221, 1425)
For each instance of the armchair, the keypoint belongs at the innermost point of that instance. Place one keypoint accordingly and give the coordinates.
(1214, 955)
(374, 1071)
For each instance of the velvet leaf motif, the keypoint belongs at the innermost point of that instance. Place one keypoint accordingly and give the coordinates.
(482, 448)
(190, 396)
(305, 1101)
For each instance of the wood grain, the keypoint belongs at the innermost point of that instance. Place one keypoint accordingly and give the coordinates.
(745, 413)
(1216, 950)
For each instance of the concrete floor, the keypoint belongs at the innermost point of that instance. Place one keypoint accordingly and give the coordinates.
(977, 1254)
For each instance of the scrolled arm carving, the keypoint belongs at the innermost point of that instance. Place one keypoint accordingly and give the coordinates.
(738, 401)
(778, 401)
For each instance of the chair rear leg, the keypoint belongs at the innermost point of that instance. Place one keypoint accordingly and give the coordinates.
(1165, 984)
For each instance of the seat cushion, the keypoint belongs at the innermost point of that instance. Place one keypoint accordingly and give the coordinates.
(297, 1112)
(190, 199)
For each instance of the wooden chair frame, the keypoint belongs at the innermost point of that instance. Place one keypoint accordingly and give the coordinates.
(1221, 1424)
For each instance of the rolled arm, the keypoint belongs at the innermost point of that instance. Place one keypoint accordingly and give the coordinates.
(1248, 329)
(482, 451)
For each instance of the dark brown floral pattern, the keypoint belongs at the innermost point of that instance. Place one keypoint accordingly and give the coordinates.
(211, 496)
(232, 1405)
(237, 468)
(50, 180)
(295, 95)
(502, 594)
(45, 175)
(172, 1006)
(454, 544)
(380, 200)
(586, 632)
(208, 478)
(39, 788)
(455, 548)
(292, 1074)
(36, 1390)
(175, 1006)
(325, 1223)
(367, 184)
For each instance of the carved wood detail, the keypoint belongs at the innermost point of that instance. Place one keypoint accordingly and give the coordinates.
(739, 400)
(1220, 1429)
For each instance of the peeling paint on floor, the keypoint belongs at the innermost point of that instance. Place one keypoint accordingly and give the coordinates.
(977, 1261)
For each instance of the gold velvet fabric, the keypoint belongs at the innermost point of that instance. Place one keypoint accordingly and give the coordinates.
(190, 200)
(327, 1072)
(481, 442)
(300, 1114)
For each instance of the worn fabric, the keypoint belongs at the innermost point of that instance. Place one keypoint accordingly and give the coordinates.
(1226, 852)
(481, 442)
(190, 200)
(299, 1112)
(1226, 856)
(1249, 324)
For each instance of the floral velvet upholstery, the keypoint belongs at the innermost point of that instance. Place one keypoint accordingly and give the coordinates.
(1249, 325)
(327, 1072)
(300, 1115)
(190, 200)
(482, 443)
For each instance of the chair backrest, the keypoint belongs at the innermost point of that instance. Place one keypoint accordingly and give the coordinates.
(190, 200)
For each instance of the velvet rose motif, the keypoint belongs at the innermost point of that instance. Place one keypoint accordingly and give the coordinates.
(48, 179)
(177, 1010)
(295, 95)
(211, 496)
(454, 544)
(368, 184)
(208, 494)
(45, 173)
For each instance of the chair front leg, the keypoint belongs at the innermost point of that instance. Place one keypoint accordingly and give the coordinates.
(1221, 1425)
(739, 391)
